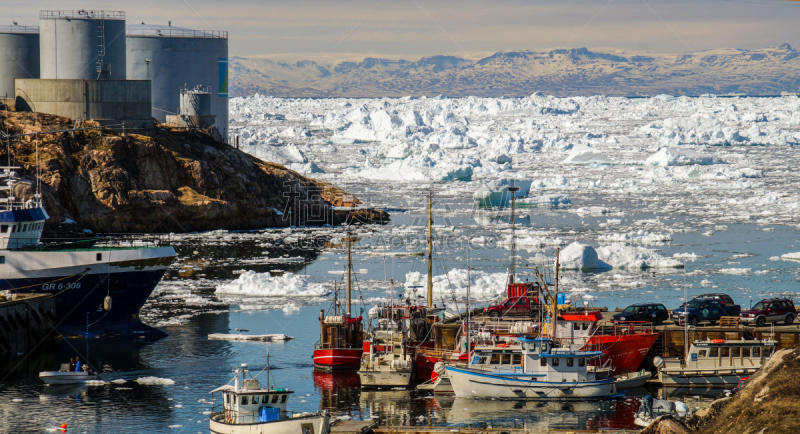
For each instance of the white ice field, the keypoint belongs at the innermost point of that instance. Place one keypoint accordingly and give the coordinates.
(645, 184)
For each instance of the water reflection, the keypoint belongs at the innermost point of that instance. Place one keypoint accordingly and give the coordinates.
(339, 392)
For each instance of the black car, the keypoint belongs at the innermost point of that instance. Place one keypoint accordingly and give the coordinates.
(646, 312)
(724, 299)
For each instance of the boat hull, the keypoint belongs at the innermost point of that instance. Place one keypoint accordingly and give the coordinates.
(386, 378)
(626, 352)
(706, 378)
(469, 383)
(81, 284)
(317, 424)
(60, 377)
(337, 359)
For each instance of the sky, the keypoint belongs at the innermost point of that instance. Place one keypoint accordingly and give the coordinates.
(354, 29)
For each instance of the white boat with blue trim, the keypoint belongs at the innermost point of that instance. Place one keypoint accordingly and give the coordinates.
(545, 373)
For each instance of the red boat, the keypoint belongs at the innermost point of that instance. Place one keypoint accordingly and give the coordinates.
(341, 336)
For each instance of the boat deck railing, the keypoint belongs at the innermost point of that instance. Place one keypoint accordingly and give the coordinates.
(103, 242)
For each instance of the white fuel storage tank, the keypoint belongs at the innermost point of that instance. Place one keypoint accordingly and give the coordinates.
(19, 56)
(173, 58)
(82, 44)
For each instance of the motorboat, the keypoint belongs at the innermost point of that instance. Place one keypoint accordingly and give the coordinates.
(65, 376)
(540, 371)
(716, 363)
(385, 362)
(249, 408)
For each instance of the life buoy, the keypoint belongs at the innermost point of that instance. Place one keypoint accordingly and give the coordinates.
(506, 345)
(718, 341)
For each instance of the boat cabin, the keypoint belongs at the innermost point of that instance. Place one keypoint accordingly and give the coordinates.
(21, 223)
(249, 403)
(541, 359)
(577, 328)
(340, 331)
(720, 353)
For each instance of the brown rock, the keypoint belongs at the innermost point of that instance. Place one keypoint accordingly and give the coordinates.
(168, 181)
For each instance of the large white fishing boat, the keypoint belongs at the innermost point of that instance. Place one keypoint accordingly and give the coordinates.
(248, 408)
(715, 363)
(99, 284)
(386, 364)
(539, 372)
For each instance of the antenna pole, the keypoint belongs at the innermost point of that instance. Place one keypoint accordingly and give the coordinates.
(430, 249)
(555, 292)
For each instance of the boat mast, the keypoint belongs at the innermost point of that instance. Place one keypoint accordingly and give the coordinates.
(430, 249)
(469, 337)
(349, 271)
(512, 268)
(555, 292)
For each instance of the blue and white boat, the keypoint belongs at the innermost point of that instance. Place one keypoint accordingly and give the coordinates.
(98, 284)
(544, 372)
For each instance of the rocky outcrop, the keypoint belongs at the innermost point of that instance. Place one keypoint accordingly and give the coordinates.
(165, 181)
(666, 425)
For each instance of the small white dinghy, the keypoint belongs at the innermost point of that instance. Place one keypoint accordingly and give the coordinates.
(65, 376)
(278, 337)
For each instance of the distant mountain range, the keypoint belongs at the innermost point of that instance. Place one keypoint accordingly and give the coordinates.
(562, 72)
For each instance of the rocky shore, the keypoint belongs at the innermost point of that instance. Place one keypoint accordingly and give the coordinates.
(167, 180)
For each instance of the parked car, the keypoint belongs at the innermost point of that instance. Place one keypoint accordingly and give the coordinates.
(647, 312)
(709, 307)
(514, 306)
(770, 310)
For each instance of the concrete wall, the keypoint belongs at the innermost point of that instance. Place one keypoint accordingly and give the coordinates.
(101, 100)
(69, 48)
(19, 58)
(176, 62)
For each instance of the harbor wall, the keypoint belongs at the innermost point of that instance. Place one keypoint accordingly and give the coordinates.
(26, 323)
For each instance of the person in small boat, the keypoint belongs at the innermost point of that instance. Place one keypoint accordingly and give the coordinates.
(72, 364)
(77, 364)
(648, 405)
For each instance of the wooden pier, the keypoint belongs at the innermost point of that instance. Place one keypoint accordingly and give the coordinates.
(488, 430)
(671, 342)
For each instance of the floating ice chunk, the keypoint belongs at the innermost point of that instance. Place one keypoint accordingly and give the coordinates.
(791, 256)
(622, 256)
(546, 200)
(636, 237)
(577, 256)
(584, 154)
(483, 286)
(497, 194)
(241, 337)
(680, 157)
(255, 284)
(738, 271)
(152, 381)
(95, 383)
(686, 256)
(119, 381)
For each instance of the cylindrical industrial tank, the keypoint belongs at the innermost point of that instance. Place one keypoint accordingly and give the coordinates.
(83, 45)
(196, 102)
(174, 58)
(19, 56)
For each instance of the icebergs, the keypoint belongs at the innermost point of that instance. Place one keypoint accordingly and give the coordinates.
(586, 155)
(265, 284)
(483, 286)
(578, 256)
(258, 338)
(641, 236)
(791, 256)
(497, 194)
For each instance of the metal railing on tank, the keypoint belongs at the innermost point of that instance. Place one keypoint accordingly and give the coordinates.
(82, 14)
(178, 33)
(19, 29)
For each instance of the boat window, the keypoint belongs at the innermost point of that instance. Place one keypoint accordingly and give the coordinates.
(724, 351)
(570, 362)
(3, 228)
(767, 352)
(713, 352)
(244, 400)
(99, 256)
(736, 352)
(283, 398)
(702, 353)
(483, 360)
(495, 359)
(227, 399)
(745, 351)
(586, 325)
(11, 229)
(581, 361)
(517, 359)
(265, 399)
(756, 352)
(506, 359)
(275, 398)
(2, 259)
(543, 361)
(555, 361)
(254, 400)
(576, 325)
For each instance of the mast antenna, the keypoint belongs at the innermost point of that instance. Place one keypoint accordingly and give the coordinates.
(430, 248)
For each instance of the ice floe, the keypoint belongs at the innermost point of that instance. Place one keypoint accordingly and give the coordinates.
(265, 284)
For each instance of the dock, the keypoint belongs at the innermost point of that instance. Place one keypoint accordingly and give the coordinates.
(354, 427)
(488, 430)
(671, 341)
(25, 323)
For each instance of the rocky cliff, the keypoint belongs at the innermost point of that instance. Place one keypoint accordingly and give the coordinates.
(166, 181)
